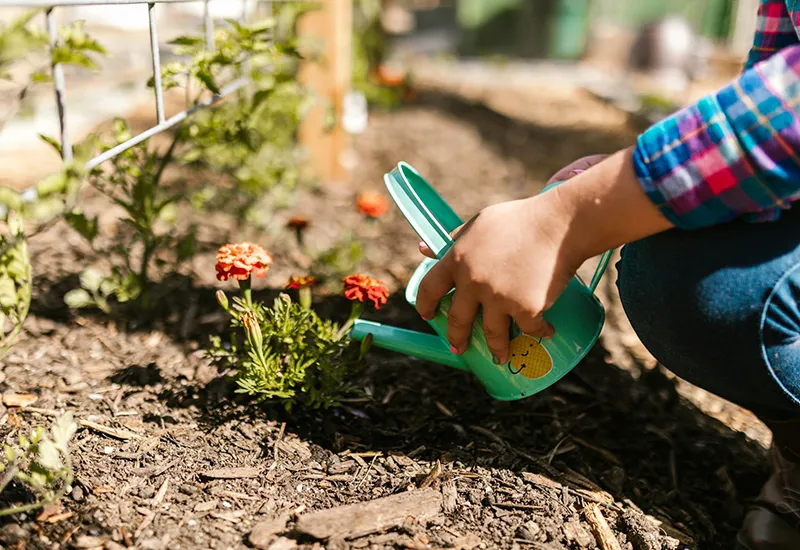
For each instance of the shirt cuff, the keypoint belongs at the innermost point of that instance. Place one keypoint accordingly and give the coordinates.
(664, 164)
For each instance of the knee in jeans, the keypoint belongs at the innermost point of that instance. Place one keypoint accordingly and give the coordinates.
(780, 332)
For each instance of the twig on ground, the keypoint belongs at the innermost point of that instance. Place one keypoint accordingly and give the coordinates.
(112, 432)
(278, 439)
(366, 474)
(602, 532)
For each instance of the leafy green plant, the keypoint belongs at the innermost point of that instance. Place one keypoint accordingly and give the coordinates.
(15, 283)
(147, 234)
(20, 39)
(41, 463)
(253, 139)
(369, 50)
(287, 352)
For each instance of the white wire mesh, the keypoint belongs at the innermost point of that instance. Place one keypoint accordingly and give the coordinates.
(162, 123)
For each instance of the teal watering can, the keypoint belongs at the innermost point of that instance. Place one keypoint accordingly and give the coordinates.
(534, 363)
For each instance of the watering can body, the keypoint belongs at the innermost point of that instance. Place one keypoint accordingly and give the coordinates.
(534, 363)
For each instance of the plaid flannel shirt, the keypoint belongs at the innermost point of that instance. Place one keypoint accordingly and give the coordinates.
(736, 152)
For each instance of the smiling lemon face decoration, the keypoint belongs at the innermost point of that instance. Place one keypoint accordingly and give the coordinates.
(529, 358)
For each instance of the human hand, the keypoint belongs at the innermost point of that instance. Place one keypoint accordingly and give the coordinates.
(569, 171)
(514, 259)
(509, 261)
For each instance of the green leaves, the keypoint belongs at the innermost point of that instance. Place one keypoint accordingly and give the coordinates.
(75, 47)
(86, 227)
(297, 357)
(15, 282)
(41, 462)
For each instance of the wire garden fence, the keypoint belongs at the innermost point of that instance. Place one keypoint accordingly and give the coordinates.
(162, 122)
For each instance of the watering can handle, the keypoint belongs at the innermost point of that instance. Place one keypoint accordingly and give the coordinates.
(433, 219)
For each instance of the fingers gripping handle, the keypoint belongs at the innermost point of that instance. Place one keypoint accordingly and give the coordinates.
(434, 220)
(426, 211)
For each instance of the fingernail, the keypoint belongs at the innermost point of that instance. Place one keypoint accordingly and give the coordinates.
(453, 350)
(578, 171)
(422, 244)
(496, 360)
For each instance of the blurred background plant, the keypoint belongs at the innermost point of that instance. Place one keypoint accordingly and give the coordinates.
(252, 140)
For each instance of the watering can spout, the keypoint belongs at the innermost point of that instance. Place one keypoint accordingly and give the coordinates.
(408, 342)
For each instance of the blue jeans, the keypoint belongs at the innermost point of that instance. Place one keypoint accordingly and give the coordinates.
(720, 307)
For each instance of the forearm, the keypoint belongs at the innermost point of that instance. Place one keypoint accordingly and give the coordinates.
(605, 207)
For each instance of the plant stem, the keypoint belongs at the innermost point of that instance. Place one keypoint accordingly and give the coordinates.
(21, 509)
(247, 292)
(355, 312)
(304, 295)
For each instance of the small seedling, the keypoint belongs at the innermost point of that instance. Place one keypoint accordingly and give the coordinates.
(41, 463)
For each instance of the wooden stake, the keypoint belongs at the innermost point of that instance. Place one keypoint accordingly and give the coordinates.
(329, 78)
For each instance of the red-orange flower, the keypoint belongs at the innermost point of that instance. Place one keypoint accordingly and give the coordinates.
(238, 261)
(372, 204)
(298, 223)
(296, 282)
(364, 287)
(390, 77)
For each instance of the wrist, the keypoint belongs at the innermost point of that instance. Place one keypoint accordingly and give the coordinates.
(605, 207)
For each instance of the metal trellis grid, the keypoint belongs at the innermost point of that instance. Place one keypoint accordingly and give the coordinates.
(30, 194)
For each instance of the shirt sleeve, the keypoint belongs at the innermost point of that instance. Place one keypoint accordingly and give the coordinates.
(734, 152)
(774, 31)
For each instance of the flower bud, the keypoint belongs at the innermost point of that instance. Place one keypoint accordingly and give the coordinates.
(222, 299)
(253, 330)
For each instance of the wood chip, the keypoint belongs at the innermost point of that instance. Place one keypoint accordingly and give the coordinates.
(450, 497)
(538, 480)
(86, 542)
(60, 517)
(605, 537)
(19, 399)
(432, 476)
(232, 517)
(263, 532)
(207, 506)
(232, 473)
(356, 520)
(154, 471)
(162, 491)
(48, 511)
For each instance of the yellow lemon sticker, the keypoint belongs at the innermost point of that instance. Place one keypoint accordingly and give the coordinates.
(529, 358)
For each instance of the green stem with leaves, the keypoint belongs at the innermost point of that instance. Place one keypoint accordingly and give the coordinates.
(247, 293)
(355, 312)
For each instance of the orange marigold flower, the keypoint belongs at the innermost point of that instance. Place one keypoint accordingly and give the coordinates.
(298, 223)
(296, 282)
(390, 76)
(372, 204)
(364, 287)
(238, 261)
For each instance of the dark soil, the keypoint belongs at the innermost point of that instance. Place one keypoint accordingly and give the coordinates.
(616, 432)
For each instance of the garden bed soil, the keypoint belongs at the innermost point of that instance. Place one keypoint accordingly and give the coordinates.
(170, 457)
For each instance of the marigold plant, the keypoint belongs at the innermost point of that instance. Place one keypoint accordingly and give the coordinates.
(285, 352)
(302, 284)
(365, 288)
(239, 261)
(298, 224)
